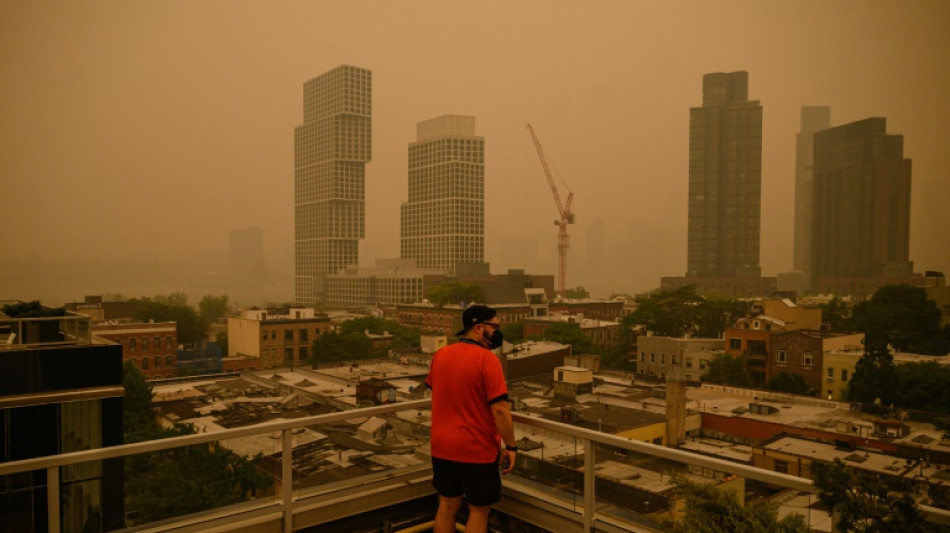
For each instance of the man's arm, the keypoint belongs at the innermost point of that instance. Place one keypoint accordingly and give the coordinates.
(501, 410)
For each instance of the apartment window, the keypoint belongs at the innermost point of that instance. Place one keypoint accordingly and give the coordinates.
(702, 364)
(302, 335)
(808, 359)
(735, 344)
(168, 360)
(781, 356)
(168, 343)
(643, 356)
(157, 343)
(273, 334)
(662, 358)
(831, 373)
(781, 467)
(302, 354)
(652, 357)
(131, 345)
(145, 363)
(144, 343)
(689, 362)
(844, 375)
(264, 336)
(288, 354)
(757, 347)
(289, 335)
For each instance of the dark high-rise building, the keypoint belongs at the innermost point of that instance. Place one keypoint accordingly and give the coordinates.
(331, 149)
(725, 174)
(861, 203)
(59, 393)
(814, 118)
(443, 223)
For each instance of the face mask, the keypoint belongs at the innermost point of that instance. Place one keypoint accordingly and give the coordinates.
(494, 341)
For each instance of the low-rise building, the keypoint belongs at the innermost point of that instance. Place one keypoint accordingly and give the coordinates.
(151, 346)
(447, 320)
(657, 356)
(275, 338)
(602, 333)
(801, 353)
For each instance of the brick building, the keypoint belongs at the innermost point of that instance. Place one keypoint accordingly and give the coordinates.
(447, 320)
(151, 346)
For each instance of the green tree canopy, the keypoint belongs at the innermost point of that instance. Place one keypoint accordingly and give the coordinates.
(727, 370)
(32, 309)
(513, 332)
(709, 509)
(569, 333)
(874, 378)
(332, 346)
(190, 325)
(667, 313)
(863, 503)
(455, 292)
(714, 316)
(403, 337)
(835, 313)
(577, 293)
(791, 383)
(211, 308)
(902, 316)
(180, 481)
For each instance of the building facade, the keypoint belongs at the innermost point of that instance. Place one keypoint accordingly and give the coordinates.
(60, 392)
(657, 356)
(273, 339)
(725, 174)
(861, 209)
(331, 149)
(443, 222)
(447, 320)
(151, 346)
(814, 119)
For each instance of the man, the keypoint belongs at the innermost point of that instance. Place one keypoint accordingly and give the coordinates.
(472, 435)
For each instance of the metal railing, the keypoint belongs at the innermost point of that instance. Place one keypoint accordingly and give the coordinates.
(585, 516)
(19, 333)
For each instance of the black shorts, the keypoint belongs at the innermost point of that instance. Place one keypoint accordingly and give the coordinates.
(480, 483)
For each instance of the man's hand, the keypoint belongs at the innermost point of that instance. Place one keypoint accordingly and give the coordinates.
(506, 461)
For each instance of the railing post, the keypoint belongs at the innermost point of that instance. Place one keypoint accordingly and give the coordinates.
(287, 479)
(590, 498)
(52, 499)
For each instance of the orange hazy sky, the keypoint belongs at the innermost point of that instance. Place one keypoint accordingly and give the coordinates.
(149, 129)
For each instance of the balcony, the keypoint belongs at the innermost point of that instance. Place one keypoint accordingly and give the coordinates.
(567, 479)
(20, 333)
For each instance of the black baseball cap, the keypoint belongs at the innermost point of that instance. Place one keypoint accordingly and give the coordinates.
(475, 314)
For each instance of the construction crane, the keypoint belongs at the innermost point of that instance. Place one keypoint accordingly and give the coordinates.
(565, 214)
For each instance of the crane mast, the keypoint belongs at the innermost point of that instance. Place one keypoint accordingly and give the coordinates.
(565, 216)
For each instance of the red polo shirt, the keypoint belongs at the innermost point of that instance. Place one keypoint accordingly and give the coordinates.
(465, 379)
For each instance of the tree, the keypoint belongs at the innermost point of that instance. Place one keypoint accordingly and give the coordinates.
(569, 333)
(727, 370)
(874, 377)
(176, 482)
(712, 510)
(222, 339)
(791, 383)
(403, 337)
(175, 299)
(577, 293)
(513, 332)
(332, 346)
(32, 309)
(861, 502)
(714, 316)
(211, 308)
(903, 317)
(190, 325)
(667, 313)
(455, 292)
(835, 314)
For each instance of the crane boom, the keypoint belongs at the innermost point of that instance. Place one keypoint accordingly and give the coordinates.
(565, 215)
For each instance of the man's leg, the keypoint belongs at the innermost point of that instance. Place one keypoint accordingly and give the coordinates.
(477, 519)
(445, 516)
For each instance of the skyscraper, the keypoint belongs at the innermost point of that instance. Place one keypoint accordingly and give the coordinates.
(814, 118)
(331, 149)
(443, 223)
(861, 203)
(725, 174)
